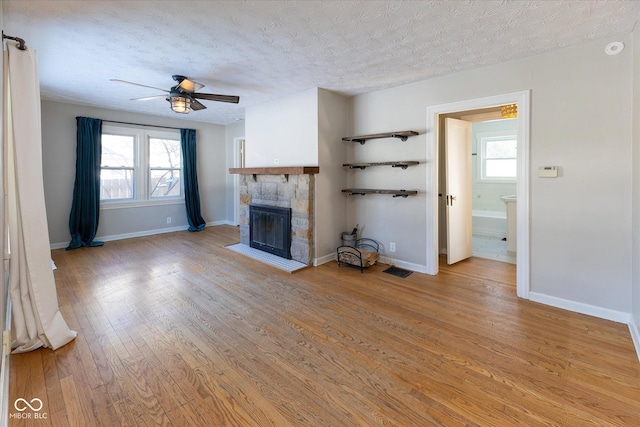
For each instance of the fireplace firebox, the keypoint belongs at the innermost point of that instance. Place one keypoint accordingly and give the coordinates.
(270, 229)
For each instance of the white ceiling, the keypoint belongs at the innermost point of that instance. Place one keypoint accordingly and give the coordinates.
(262, 50)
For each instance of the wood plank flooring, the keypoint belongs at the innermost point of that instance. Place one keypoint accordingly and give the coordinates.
(176, 330)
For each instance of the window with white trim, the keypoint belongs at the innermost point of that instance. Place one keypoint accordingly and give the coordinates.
(497, 157)
(140, 167)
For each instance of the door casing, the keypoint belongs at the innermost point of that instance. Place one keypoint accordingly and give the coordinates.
(522, 99)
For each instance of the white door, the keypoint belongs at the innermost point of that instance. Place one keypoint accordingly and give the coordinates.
(457, 149)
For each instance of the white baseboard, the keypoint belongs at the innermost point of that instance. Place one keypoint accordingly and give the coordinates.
(223, 222)
(635, 336)
(61, 245)
(324, 259)
(113, 237)
(126, 235)
(382, 260)
(403, 264)
(140, 233)
(578, 307)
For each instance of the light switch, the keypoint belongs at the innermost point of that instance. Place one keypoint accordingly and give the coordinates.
(548, 171)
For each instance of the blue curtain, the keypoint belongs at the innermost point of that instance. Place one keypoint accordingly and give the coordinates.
(85, 208)
(190, 170)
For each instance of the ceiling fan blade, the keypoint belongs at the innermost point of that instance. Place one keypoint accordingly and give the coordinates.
(219, 98)
(148, 98)
(137, 84)
(197, 105)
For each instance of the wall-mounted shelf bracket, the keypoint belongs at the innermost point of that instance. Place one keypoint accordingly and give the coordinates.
(394, 193)
(401, 135)
(402, 193)
(362, 166)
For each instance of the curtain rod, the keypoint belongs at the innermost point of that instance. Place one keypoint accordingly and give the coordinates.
(21, 43)
(139, 124)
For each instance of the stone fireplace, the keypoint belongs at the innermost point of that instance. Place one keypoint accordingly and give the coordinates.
(285, 187)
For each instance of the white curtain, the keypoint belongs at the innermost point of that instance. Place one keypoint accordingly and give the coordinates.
(37, 320)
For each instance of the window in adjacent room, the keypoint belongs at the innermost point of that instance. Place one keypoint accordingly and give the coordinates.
(498, 161)
(140, 167)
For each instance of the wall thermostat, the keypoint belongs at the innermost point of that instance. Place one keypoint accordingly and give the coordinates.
(548, 171)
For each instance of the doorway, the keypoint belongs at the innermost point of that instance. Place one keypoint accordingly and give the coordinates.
(435, 115)
(489, 159)
(238, 162)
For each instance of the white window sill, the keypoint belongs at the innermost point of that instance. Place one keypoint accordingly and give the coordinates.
(139, 203)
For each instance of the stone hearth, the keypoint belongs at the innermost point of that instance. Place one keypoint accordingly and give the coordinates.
(276, 187)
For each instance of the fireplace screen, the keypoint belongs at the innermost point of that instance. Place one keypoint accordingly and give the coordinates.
(270, 229)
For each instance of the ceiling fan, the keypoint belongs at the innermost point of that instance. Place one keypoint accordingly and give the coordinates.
(183, 96)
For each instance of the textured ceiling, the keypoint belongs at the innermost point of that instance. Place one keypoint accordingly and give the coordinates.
(262, 50)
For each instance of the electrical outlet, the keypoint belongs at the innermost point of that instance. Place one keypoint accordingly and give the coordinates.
(276, 161)
(392, 247)
(168, 220)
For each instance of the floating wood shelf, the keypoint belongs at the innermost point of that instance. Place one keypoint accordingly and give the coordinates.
(402, 135)
(395, 193)
(285, 171)
(402, 165)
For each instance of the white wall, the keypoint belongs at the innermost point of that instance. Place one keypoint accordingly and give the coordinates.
(580, 121)
(59, 156)
(285, 129)
(305, 129)
(331, 204)
(382, 217)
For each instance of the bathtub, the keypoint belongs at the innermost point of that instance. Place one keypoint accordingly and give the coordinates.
(490, 223)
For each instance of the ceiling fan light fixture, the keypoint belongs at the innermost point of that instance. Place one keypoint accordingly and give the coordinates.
(182, 100)
(180, 104)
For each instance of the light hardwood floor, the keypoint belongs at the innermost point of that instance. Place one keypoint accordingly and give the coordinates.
(174, 329)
